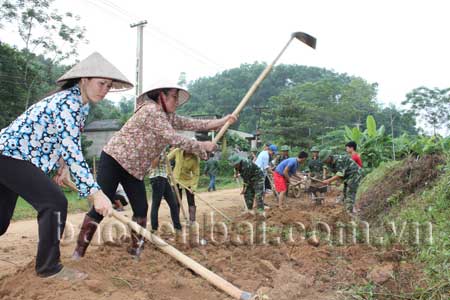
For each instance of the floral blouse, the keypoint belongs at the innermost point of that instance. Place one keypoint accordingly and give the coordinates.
(147, 133)
(48, 130)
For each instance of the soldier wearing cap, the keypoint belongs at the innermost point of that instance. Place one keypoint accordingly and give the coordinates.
(284, 154)
(344, 169)
(128, 155)
(253, 181)
(47, 137)
(315, 165)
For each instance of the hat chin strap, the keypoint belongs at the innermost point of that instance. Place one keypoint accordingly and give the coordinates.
(163, 103)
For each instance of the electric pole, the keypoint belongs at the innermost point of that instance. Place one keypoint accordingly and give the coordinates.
(139, 56)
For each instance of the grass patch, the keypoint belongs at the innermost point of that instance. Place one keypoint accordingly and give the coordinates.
(25, 211)
(376, 176)
(426, 204)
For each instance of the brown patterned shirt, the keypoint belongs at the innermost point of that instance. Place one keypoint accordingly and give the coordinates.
(146, 133)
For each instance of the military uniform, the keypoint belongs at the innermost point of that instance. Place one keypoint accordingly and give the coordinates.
(254, 183)
(315, 167)
(280, 158)
(346, 168)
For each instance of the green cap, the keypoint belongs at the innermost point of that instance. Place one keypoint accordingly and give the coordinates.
(315, 149)
(234, 159)
(324, 154)
(285, 148)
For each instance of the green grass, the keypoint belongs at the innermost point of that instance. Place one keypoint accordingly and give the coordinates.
(376, 176)
(26, 211)
(430, 205)
(76, 205)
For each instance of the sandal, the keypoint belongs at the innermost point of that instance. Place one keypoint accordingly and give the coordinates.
(69, 274)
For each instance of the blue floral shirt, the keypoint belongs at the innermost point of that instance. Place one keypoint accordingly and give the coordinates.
(48, 130)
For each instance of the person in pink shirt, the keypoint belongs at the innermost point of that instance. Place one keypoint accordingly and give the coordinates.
(350, 147)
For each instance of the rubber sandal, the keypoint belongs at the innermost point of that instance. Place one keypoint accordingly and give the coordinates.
(69, 274)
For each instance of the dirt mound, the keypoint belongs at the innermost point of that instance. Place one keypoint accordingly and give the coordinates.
(275, 267)
(398, 183)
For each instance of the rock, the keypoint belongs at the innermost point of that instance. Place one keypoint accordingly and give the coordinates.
(313, 241)
(266, 266)
(381, 274)
(94, 285)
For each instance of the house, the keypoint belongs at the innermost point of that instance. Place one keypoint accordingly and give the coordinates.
(99, 132)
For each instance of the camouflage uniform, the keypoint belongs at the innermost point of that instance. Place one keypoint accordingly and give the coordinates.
(254, 182)
(346, 168)
(280, 158)
(315, 167)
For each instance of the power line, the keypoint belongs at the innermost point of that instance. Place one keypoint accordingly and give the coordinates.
(164, 36)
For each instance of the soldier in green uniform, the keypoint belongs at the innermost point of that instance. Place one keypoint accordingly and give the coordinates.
(346, 169)
(315, 165)
(253, 181)
(284, 154)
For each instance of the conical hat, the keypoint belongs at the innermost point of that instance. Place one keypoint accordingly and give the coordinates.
(183, 94)
(95, 65)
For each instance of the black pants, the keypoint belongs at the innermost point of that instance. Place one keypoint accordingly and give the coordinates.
(189, 195)
(110, 173)
(161, 188)
(267, 185)
(22, 178)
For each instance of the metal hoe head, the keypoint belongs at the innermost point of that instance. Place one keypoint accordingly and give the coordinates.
(305, 38)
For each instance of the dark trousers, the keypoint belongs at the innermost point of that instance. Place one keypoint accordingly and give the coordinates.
(189, 195)
(110, 173)
(267, 185)
(22, 178)
(161, 188)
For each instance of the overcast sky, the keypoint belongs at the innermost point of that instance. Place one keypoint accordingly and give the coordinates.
(400, 45)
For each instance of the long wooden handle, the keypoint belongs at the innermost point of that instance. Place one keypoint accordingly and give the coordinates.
(204, 201)
(250, 93)
(242, 186)
(211, 277)
(314, 179)
(175, 190)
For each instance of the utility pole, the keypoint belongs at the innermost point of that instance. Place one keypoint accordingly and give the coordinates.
(259, 109)
(139, 56)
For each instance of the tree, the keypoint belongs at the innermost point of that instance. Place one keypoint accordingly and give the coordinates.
(12, 91)
(431, 105)
(44, 31)
(306, 111)
(103, 110)
(220, 94)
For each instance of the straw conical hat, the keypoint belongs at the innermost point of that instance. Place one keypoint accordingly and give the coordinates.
(183, 94)
(95, 65)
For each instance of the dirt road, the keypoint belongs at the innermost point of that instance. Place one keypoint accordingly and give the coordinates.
(268, 264)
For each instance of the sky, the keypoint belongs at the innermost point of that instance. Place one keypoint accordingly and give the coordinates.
(398, 44)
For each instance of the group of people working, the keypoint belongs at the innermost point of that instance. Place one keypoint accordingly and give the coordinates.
(45, 139)
(258, 168)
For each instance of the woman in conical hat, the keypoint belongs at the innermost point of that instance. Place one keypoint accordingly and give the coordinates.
(47, 137)
(127, 157)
